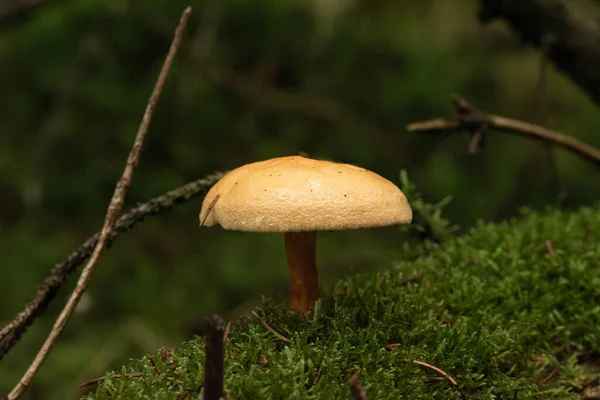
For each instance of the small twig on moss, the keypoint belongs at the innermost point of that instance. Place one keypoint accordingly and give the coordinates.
(103, 378)
(548, 377)
(226, 333)
(214, 360)
(185, 394)
(358, 393)
(477, 122)
(267, 327)
(112, 213)
(319, 373)
(154, 365)
(436, 369)
(549, 248)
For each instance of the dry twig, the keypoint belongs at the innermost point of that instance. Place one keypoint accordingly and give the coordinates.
(267, 327)
(319, 373)
(154, 365)
(103, 378)
(185, 394)
(477, 122)
(114, 209)
(358, 393)
(226, 333)
(436, 369)
(548, 377)
(46, 292)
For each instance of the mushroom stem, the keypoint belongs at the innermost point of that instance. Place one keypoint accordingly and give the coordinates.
(300, 248)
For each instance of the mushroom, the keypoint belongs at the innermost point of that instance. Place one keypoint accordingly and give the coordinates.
(300, 196)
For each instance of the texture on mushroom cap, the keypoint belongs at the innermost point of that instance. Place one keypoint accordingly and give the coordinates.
(295, 194)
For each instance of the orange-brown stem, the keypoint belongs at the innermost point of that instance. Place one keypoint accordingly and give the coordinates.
(300, 248)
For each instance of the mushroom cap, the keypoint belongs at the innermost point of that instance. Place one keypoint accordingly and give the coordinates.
(295, 194)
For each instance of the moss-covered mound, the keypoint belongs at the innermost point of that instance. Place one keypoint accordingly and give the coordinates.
(509, 310)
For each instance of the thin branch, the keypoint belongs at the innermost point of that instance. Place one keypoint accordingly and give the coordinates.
(153, 362)
(319, 374)
(226, 333)
(548, 377)
(267, 327)
(436, 369)
(103, 378)
(46, 292)
(114, 209)
(475, 121)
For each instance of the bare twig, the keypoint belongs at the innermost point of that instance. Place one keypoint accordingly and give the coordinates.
(358, 393)
(319, 373)
(185, 394)
(46, 292)
(226, 333)
(548, 377)
(103, 378)
(154, 365)
(267, 327)
(213, 363)
(475, 121)
(114, 209)
(436, 369)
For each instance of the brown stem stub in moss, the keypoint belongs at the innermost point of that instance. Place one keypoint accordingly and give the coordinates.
(300, 250)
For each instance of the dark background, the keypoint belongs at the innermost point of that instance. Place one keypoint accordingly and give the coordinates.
(255, 79)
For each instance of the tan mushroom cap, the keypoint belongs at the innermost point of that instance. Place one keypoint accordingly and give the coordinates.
(295, 194)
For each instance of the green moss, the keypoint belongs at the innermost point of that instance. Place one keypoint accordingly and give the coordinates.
(493, 308)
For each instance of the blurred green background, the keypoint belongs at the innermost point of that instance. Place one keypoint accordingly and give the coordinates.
(254, 79)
